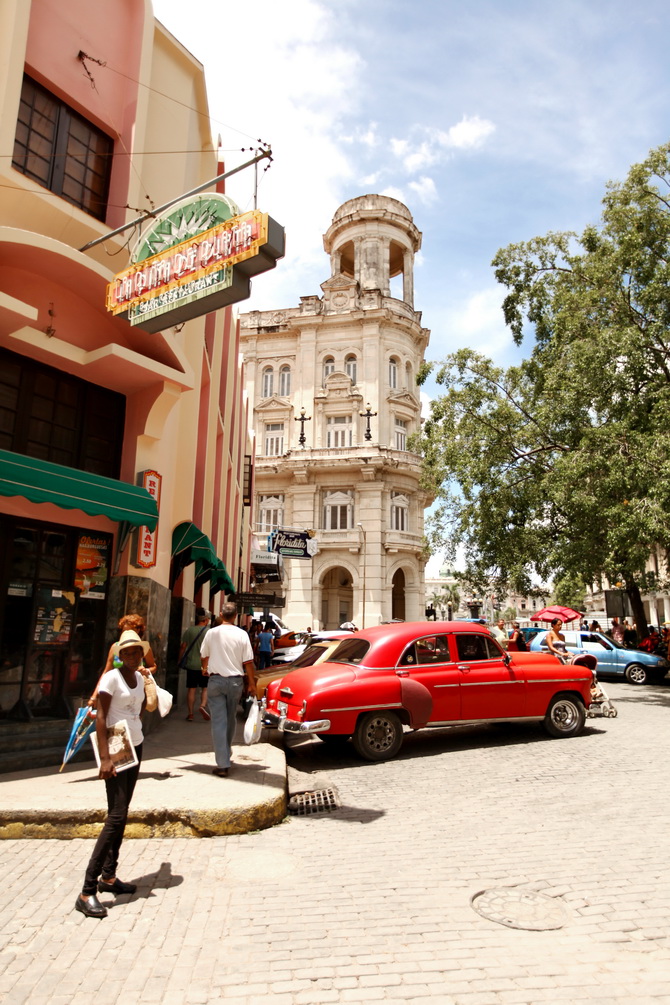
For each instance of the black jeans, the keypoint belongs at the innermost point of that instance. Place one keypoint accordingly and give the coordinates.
(105, 857)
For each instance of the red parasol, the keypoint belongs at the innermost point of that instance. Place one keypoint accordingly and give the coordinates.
(549, 613)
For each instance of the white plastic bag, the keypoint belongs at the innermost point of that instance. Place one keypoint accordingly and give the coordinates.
(253, 725)
(163, 698)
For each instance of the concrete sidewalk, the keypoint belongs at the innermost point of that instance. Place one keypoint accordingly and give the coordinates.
(176, 796)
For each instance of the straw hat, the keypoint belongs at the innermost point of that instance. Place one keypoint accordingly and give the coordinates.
(130, 638)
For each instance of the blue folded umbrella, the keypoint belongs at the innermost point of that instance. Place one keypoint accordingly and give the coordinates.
(83, 726)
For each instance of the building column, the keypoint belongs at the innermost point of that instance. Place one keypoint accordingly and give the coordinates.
(408, 278)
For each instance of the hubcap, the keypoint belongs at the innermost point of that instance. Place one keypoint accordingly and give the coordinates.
(637, 674)
(379, 734)
(564, 715)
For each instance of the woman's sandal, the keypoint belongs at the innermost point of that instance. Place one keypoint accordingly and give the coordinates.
(189, 718)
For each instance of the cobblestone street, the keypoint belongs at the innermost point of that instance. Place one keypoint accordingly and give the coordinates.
(372, 902)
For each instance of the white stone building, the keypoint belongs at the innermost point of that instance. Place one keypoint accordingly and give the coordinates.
(349, 359)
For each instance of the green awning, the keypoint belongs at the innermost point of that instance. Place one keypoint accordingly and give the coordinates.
(190, 544)
(221, 580)
(42, 481)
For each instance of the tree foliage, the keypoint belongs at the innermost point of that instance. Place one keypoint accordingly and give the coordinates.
(559, 466)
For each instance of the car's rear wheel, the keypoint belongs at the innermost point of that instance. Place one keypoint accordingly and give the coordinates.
(378, 736)
(635, 673)
(566, 717)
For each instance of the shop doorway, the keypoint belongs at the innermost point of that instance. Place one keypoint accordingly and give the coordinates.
(52, 618)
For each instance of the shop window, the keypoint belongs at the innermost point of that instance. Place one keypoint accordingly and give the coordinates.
(59, 149)
(53, 416)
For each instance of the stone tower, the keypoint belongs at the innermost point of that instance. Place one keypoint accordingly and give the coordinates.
(349, 359)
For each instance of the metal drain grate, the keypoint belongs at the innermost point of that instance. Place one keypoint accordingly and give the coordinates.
(320, 801)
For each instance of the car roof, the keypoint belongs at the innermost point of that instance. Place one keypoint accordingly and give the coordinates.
(387, 642)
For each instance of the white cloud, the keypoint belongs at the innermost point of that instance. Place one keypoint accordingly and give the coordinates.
(393, 193)
(470, 132)
(430, 145)
(424, 189)
(476, 322)
(300, 102)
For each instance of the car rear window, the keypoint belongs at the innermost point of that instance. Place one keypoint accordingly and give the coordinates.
(350, 651)
(309, 657)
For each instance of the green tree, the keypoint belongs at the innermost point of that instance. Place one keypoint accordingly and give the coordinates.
(558, 467)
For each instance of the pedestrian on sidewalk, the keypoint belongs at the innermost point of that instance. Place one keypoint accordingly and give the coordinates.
(266, 646)
(120, 696)
(226, 657)
(189, 659)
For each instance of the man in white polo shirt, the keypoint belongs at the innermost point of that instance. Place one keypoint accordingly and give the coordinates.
(226, 657)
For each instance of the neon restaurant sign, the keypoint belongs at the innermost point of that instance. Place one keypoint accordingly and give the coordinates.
(198, 257)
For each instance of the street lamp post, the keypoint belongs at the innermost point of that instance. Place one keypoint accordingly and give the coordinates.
(367, 415)
(302, 419)
(364, 560)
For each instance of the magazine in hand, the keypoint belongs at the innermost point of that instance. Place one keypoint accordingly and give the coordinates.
(121, 749)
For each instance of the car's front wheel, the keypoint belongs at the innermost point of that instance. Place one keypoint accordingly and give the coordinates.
(378, 736)
(635, 673)
(566, 717)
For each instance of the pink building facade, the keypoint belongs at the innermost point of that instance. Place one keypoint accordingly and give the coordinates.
(125, 456)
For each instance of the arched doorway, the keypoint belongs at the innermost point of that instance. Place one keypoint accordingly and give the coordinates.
(337, 597)
(398, 595)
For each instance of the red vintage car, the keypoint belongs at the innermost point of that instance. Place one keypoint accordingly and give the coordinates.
(426, 673)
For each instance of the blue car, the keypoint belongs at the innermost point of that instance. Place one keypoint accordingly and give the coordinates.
(636, 666)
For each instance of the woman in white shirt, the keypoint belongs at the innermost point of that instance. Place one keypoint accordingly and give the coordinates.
(120, 696)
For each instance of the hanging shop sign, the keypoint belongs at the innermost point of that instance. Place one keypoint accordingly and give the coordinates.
(197, 257)
(147, 540)
(92, 566)
(294, 544)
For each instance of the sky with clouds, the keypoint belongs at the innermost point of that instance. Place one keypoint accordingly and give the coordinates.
(494, 121)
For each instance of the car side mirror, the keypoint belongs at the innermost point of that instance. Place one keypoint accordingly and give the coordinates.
(507, 659)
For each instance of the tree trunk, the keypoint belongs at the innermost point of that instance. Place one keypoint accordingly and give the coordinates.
(639, 615)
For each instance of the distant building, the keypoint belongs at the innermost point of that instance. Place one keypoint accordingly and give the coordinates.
(340, 370)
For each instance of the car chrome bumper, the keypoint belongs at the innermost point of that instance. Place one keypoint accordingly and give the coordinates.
(284, 725)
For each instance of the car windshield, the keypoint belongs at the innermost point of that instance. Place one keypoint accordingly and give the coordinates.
(350, 651)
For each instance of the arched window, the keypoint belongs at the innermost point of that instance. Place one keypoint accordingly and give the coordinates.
(338, 511)
(328, 367)
(268, 382)
(285, 381)
(399, 511)
(393, 373)
(350, 368)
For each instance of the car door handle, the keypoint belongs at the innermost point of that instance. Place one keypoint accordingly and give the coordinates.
(464, 667)
(402, 673)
